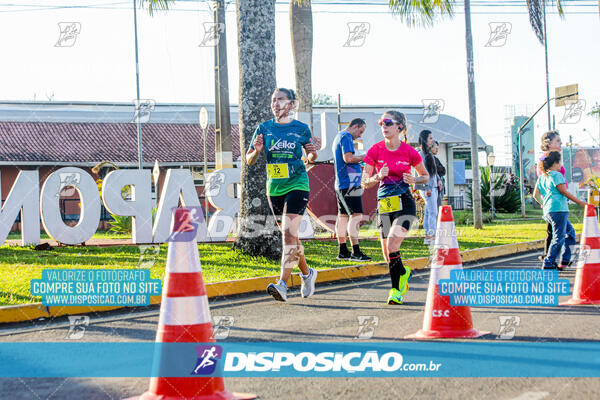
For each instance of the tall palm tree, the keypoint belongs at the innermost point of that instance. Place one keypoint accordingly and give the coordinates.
(301, 29)
(424, 13)
(476, 185)
(256, 42)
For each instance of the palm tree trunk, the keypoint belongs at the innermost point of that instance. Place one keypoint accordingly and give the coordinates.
(301, 28)
(257, 233)
(477, 215)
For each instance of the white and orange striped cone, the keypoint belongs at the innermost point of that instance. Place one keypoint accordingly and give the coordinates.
(185, 318)
(587, 278)
(443, 320)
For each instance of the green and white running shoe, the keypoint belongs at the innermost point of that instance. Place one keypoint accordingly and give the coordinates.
(403, 285)
(394, 297)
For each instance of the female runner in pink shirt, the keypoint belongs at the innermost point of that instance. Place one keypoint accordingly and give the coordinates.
(391, 160)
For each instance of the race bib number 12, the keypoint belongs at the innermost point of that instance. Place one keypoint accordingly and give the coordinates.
(277, 171)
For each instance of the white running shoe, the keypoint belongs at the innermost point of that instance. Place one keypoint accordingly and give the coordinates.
(278, 290)
(308, 283)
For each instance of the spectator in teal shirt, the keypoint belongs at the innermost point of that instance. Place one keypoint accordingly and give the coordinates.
(551, 185)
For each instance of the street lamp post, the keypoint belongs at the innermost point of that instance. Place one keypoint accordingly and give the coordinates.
(491, 159)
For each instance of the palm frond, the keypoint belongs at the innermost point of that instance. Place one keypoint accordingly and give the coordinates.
(156, 4)
(536, 16)
(421, 12)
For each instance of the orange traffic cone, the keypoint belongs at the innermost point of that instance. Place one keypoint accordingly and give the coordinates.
(443, 320)
(185, 318)
(587, 278)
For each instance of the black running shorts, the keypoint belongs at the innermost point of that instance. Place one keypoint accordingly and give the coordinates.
(349, 201)
(293, 202)
(404, 217)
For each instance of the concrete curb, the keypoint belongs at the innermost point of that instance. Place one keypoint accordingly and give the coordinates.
(28, 312)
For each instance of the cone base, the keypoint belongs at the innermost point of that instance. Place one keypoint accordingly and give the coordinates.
(225, 395)
(575, 302)
(464, 334)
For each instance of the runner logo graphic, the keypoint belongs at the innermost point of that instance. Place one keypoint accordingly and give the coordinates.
(212, 33)
(143, 109)
(186, 224)
(148, 256)
(508, 324)
(357, 34)
(499, 32)
(221, 326)
(366, 326)
(573, 111)
(77, 324)
(68, 34)
(431, 110)
(69, 179)
(207, 359)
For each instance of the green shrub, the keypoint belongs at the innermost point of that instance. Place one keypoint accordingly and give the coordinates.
(508, 202)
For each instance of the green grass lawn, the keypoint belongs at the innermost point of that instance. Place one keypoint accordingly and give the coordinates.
(18, 265)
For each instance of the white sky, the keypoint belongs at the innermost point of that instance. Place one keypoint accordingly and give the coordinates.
(395, 65)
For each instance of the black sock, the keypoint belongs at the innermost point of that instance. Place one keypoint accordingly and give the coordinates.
(356, 248)
(344, 248)
(396, 269)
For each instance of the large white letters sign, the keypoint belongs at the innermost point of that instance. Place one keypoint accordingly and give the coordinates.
(90, 206)
(178, 188)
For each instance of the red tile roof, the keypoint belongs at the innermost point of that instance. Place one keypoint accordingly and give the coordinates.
(32, 142)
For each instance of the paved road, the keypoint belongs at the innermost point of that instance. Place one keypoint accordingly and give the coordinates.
(331, 315)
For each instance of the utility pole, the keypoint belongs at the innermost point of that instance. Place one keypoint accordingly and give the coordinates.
(521, 179)
(571, 157)
(546, 53)
(137, 85)
(223, 149)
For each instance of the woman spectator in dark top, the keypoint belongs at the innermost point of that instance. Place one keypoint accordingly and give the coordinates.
(441, 172)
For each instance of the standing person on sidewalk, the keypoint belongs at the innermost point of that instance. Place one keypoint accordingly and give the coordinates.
(348, 190)
(441, 172)
(391, 161)
(283, 139)
(429, 191)
(550, 142)
(554, 194)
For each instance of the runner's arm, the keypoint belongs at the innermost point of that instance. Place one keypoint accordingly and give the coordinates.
(350, 158)
(253, 153)
(366, 180)
(562, 188)
(311, 149)
(536, 192)
(421, 179)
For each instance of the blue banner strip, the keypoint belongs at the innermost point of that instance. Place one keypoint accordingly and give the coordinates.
(308, 359)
